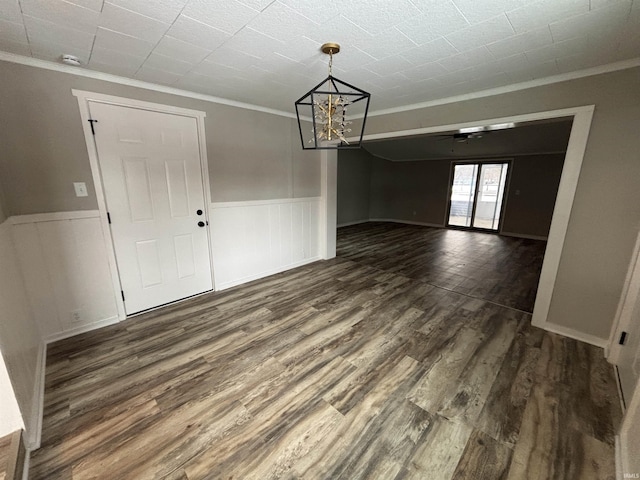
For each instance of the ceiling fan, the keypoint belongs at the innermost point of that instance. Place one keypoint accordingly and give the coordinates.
(463, 137)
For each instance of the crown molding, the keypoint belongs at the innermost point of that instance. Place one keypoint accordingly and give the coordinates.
(563, 77)
(108, 77)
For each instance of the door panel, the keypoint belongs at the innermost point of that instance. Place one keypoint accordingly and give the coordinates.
(152, 178)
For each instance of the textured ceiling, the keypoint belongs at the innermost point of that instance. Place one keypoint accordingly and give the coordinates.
(266, 52)
(548, 136)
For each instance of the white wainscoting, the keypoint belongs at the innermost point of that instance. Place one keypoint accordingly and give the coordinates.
(254, 239)
(64, 260)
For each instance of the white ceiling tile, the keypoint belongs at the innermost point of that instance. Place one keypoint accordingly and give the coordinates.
(493, 30)
(476, 12)
(165, 11)
(168, 64)
(542, 13)
(187, 52)
(62, 13)
(532, 72)
(577, 62)
(521, 42)
(425, 71)
(10, 11)
(154, 75)
(17, 48)
(13, 32)
(385, 44)
(116, 58)
(51, 51)
(43, 32)
(212, 70)
(441, 18)
(121, 70)
(598, 22)
(596, 4)
(130, 23)
(307, 51)
(197, 33)
(467, 59)
(430, 52)
(95, 5)
(339, 30)
(513, 63)
(228, 16)
(281, 22)
(233, 59)
(120, 42)
(379, 15)
(257, 4)
(254, 43)
(558, 50)
(390, 64)
(318, 12)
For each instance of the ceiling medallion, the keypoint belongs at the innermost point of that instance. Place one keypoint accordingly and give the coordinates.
(322, 112)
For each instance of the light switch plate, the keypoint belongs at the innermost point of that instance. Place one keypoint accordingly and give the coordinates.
(81, 189)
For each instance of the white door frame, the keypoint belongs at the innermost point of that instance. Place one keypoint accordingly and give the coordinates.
(582, 116)
(84, 97)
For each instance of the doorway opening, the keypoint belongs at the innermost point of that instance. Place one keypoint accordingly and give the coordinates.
(477, 195)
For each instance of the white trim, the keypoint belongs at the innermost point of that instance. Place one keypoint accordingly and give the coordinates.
(560, 220)
(53, 216)
(524, 235)
(406, 222)
(108, 77)
(253, 203)
(84, 98)
(563, 77)
(134, 103)
(34, 437)
(266, 273)
(81, 329)
(618, 457)
(576, 147)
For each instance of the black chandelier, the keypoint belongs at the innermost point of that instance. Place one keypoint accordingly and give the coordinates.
(322, 112)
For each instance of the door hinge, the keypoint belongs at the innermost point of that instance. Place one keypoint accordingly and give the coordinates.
(91, 122)
(623, 338)
(122, 292)
(109, 218)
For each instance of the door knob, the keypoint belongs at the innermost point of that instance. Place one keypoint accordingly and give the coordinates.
(199, 212)
(201, 224)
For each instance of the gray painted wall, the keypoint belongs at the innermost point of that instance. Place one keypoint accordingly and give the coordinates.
(417, 191)
(410, 191)
(354, 185)
(533, 187)
(605, 217)
(251, 154)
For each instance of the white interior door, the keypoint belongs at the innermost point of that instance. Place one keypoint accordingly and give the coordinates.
(152, 179)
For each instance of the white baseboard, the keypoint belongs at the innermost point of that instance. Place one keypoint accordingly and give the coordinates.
(240, 281)
(524, 235)
(81, 329)
(575, 334)
(407, 222)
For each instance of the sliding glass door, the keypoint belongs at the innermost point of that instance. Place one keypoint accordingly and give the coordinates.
(477, 191)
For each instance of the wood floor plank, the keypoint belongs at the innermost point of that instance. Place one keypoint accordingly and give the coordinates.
(410, 355)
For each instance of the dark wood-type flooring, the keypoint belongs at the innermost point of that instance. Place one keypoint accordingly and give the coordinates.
(409, 356)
